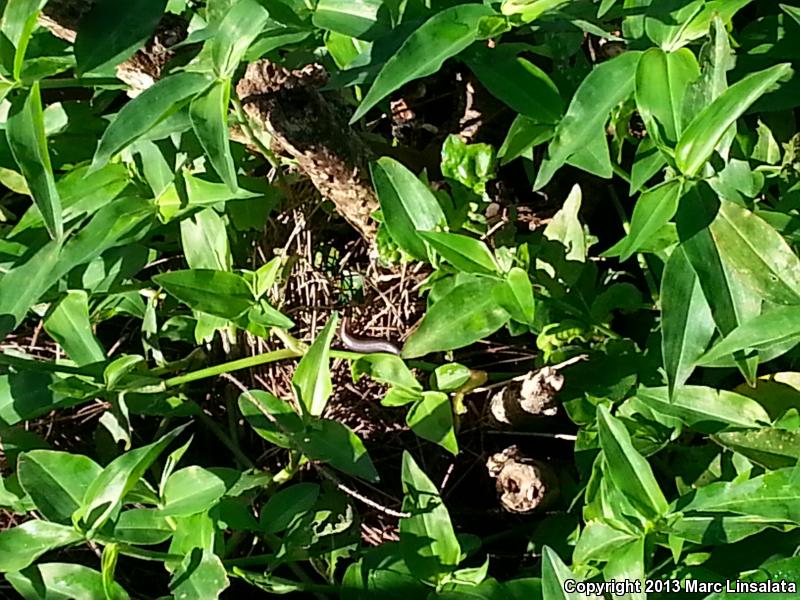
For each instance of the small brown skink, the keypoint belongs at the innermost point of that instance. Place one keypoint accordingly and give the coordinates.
(365, 345)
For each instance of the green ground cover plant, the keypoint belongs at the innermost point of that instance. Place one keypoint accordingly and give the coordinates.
(617, 199)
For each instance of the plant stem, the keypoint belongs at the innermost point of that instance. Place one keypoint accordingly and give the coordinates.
(248, 129)
(228, 367)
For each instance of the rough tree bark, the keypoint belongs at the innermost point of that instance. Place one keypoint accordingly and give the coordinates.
(287, 104)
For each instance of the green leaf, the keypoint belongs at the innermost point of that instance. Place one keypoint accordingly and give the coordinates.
(56, 481)
(112, 32)
(654, 209)
(770, 447)
(518, 300)
(23, 544)
(217, 293)
(662, 79)
(432, 419)
(385, 368)
(190, 491)
(208, 113)
(201, 576)
(465, 253)
(285, 505)
(555, 575)
(779, 326)
(108, 564)
(19, 20)
(467, 314)
(336, 444)
(450, 377)
(145, 111)
(472, 165)
(323, 439)
(63, 581)
(627, 469)
(761, 258)
(441, 37)
(68, 324)
(26, 395)
(705, 408)
(361, 19)
(686, 321)
(240, 26)
(28, 143)
(607, 85)
(24, 284)
(312, 378)
(717, 529)
(407, 204)
(428, 542)
(774, 495)
(205, 241)
(105, 494)
(142, 527)
(519, 83)
(523, 135)
(600, 540)
(704, 133)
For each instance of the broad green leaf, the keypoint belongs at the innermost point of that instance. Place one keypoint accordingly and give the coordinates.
(432, 419)
(209, 115)
(17, 25)
(334, 443)
(599, 541)
(469, 313)
(770, 447)
(606, 86)
(385, 368)
(28, 143)
(720, 529)
(145, 111)
(285, 505)
(271, 418)
(555, 575)
(724, 10)
(191, 533)
(24, 284)
(63, 581)
(312, 378)
(427, 540)
(472, 165)
(465, 253)
(23, 544)
(323, 439)
(451, 376)
(774, 495)
(361, 19)
(240, 26)
(627, 469)
(56, 481)
(217, 293)
(190, 491)
(779, 326)
(201, 576)
(698, 141)
(627, 564)
(108, 565)
(26, 395)
(686, 322)
(523, 135)
(648, 161)
(112, 32)
(407, 204)
(441, 37)
(68, 324)
(730, 300)
(662, 79)
(105, 494)
(569, 252)
(654, 209)
(516, 81)
(705, 408)
(205, 241)
(760, 257)
(142, 527)
(518, 300)
(199, 193)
